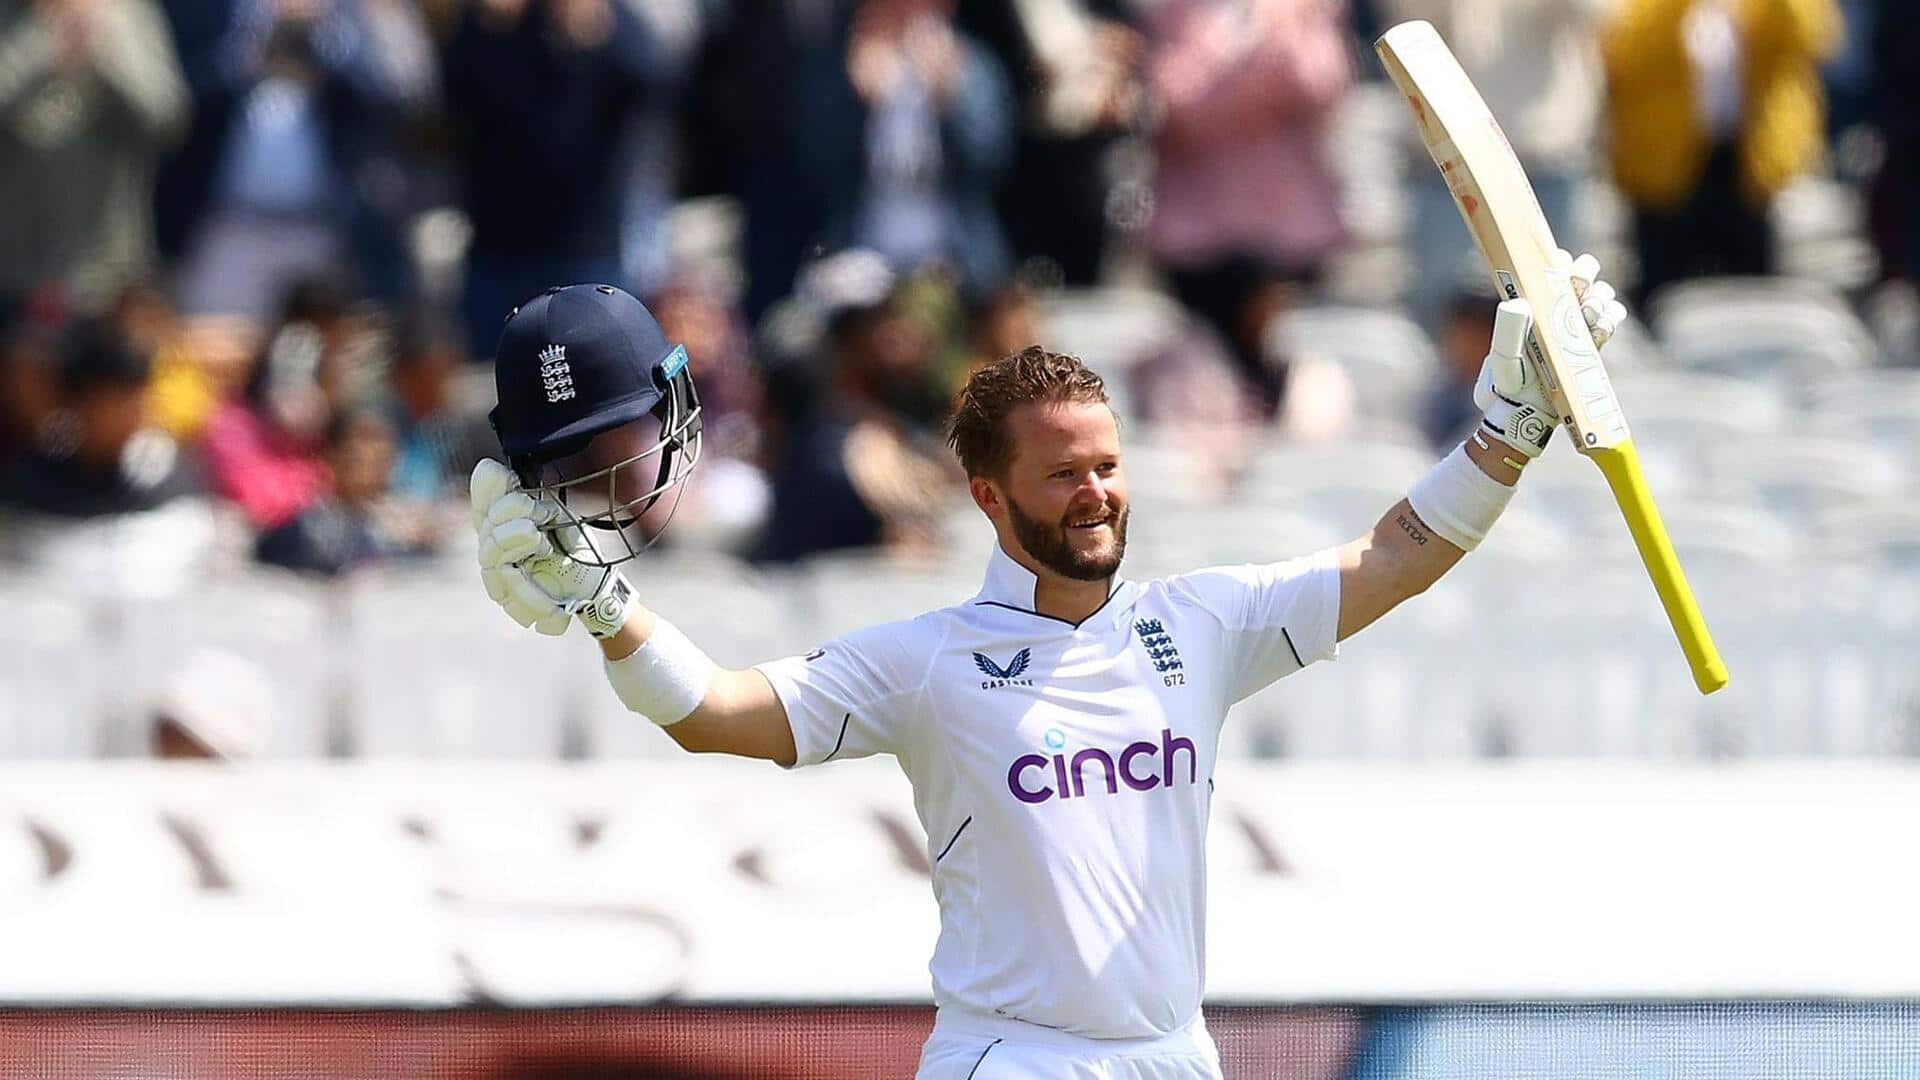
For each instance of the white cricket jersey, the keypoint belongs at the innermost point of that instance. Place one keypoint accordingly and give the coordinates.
(1063, 773)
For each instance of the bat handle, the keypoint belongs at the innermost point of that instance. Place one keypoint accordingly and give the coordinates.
(1620, 464)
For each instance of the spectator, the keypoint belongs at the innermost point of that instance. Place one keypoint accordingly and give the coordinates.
(28, 385)
(297, 108)
(90, 93)
(1896, 97)
(541, 91)
(357, 522)
(438, 437)
(911, 133)
(1074, 66)
(1465, 335)
(651, 158)
(998, 325)
(103, 500)
(880, 360)
(743, 133)
(264, 449)
(183, 393)
(725, 502)
(843, 459)
(1714, 105)
(1188, 389)
(1246, 204)
(1540, 63)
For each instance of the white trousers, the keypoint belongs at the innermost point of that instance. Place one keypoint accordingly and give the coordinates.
(968, 1046)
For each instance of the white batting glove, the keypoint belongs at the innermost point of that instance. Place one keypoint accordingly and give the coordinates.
(1518, 409)
(523, 570)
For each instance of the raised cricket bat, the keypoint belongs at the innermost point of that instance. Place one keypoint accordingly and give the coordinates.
(1497, 201)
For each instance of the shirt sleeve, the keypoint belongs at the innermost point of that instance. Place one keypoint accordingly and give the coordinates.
(1278, 617)
(851, 697)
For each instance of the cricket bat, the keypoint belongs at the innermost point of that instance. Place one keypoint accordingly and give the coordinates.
(1497, 201)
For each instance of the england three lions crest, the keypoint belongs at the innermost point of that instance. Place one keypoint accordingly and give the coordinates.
(1159, 645)
(556, 373)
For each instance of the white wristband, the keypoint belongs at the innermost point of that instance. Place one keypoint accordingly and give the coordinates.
(664, 679)
(1458, 500)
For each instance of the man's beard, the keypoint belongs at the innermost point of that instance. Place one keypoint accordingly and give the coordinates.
(1048, 545)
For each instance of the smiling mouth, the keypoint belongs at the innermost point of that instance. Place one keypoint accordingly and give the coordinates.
(1092, 522)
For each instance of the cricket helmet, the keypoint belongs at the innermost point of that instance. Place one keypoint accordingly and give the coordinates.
(597, 415)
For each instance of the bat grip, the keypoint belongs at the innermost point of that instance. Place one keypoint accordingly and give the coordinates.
(1620, 464)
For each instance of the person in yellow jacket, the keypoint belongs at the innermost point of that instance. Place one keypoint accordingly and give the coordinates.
(1713, 106)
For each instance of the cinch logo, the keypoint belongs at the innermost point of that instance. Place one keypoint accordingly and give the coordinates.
(1159, 645)
(1028, 776)
(998, 676)
(556, 373)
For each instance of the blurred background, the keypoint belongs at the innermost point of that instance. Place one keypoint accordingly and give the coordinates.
(256, 257)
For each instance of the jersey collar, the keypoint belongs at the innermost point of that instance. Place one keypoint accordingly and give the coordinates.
(1011, 586)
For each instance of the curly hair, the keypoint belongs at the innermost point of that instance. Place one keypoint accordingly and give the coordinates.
(978, 429)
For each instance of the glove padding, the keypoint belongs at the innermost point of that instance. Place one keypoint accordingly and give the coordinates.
(527, 574)
(1511, 389)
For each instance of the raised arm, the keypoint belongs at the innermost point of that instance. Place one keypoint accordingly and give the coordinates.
(739, 714)
(1450, 510)
(654, 669)
(1403, 555)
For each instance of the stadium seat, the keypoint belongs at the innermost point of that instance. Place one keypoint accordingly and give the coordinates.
(1165, 471)
(1803, 475)
(1732, 532)
(1110, 327)
(274, 630)
(740, 615)
(1880, 406)
(52, 698)
(1883, 534)
(1564, 489)
(433, 668)
(1691, 409)
(834, 595)
(1389, 358)
(1634, 350)
(1223, 535)
(1820, 663)
(1761, 327)
(1280, 470)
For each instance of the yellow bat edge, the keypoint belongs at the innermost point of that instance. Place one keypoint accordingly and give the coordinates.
(1620, 464)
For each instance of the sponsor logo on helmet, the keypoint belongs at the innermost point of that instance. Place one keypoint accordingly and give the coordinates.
(556, 373)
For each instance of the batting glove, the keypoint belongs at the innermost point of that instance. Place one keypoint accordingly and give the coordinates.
(1518, 409)
(531, 576)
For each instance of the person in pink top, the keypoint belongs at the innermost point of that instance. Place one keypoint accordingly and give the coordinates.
(265, 449)
(1245, 203)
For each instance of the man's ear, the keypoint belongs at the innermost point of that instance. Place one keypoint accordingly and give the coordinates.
(986, 496)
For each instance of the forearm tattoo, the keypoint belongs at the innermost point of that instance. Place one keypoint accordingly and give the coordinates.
(1411, 526)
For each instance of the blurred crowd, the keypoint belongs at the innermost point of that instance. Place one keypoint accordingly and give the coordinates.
(256, 252)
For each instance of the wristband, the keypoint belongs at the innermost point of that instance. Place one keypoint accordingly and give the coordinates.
(1458, 500)
(663, 680)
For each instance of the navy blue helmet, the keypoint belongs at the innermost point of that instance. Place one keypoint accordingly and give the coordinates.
(597, 415)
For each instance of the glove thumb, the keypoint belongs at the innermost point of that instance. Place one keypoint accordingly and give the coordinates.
(1505, 371)
(489, 482)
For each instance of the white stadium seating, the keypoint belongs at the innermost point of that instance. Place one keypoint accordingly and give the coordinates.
(52, 701)
(1761, 328)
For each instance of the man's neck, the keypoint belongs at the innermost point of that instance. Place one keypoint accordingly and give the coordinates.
(1067, 599)
(1058, 596)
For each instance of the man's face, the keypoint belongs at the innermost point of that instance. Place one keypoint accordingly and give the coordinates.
(1064, 494)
